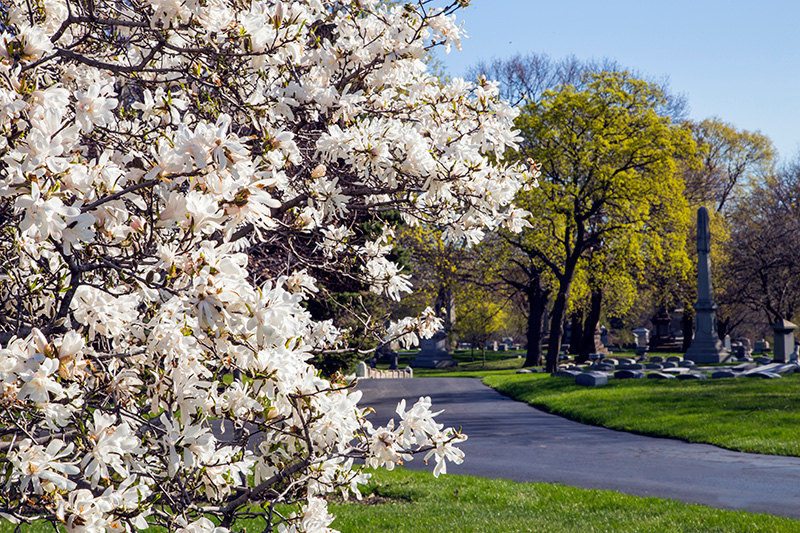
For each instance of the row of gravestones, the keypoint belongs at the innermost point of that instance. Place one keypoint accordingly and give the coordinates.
(672, 368)
(493, 346)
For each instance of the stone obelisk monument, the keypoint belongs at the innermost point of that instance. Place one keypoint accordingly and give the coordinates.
(706, 346)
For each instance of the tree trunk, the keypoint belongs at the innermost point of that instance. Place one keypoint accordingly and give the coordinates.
(722, 327)
(559, 309)
(688, 326)
(446, 309)
(587, 345)
(575, 333)
(557, 327)
(537, 307)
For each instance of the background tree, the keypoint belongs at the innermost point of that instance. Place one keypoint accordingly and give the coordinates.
(759, 282)
(524, 78)
(438, 270)
(730, 159)
(733, 162)
(608, 156)
(480, 318)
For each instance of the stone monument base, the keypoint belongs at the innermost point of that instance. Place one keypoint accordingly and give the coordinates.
(707, 352)
(431, 361)
(433, 353)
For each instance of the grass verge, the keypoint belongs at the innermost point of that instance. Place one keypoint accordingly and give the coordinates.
(743, 414)
(496, 362)
(406, 501)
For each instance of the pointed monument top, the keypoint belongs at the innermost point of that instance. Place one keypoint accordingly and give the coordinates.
(783, 325)
(703, 231)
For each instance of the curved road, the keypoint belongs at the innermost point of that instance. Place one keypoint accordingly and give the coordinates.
(511, 440)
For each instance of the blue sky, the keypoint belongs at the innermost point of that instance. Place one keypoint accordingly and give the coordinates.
(738, 60)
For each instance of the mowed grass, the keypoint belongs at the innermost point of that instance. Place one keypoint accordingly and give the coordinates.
(743, 414)
(407, 501)
(472, 370)
(496, 362)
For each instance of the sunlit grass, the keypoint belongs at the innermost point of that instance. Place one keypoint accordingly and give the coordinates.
(406, 501)
(750, 415)
(416, 502)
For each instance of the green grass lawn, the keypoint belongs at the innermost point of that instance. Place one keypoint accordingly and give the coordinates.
(744, 414)
(406, 501)
(496, 362)
(416, 502)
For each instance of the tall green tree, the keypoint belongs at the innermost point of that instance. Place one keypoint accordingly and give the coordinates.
(609, 156)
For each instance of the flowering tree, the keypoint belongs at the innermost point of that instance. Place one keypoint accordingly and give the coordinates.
(149, 373)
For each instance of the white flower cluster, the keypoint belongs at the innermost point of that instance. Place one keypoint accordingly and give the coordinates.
(150, 150)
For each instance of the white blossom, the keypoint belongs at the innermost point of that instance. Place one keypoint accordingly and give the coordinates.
(184, 180)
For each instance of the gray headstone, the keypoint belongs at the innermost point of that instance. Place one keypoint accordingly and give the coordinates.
(629, 374)
(361, 369)
(642, 337)
(669, 364)
(523, 371)
(657, 359)
(659, 375)
(674, 358)
(777, 368)
(725, 374)
(726, 342)
(433, 353)
(744, 341)
(564, 373)
(783, 332)
(653, 366)
(764, 375)
(686, 364)
(763, 360)
(676, 371)
(761, 346)
(693, 375)
(591, 379)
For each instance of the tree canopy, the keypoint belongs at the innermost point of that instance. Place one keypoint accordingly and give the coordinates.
(609, 184)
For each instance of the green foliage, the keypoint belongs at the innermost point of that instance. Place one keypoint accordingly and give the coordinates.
(480, 316)
(748, 415)
(609, 182)
(610, 201)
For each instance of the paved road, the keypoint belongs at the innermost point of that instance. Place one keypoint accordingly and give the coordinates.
(512, 440)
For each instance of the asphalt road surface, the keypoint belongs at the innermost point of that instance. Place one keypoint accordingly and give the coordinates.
(511, 440)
